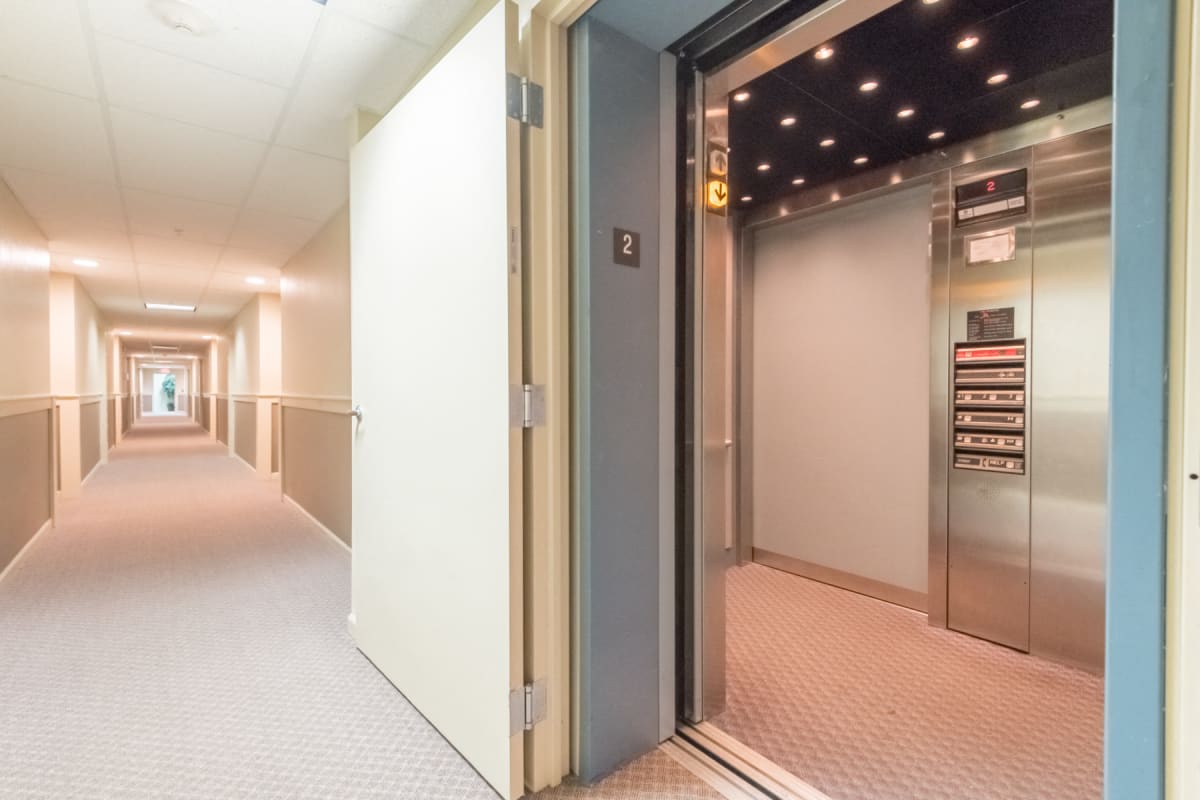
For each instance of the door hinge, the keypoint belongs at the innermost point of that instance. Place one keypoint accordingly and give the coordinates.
(527, 406)
(527, 706)
(525, 99)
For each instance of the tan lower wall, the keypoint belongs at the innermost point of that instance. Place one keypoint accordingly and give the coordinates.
(24, 480)
(223, 420)
(205, 414)
(276, 410)
(245, 431)
(126, 414)
(317, 465)
(112, 421)
(89, 437)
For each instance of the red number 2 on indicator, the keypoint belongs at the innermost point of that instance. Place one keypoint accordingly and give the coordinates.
(991, 186)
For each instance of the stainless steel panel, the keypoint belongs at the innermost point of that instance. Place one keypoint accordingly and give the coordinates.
(988, 517)
(940, 224)
(744, 397)
(1069, 409)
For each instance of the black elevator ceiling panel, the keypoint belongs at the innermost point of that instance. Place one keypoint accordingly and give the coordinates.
(1058, 52)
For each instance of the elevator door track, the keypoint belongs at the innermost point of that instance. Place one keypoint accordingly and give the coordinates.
(750, 772)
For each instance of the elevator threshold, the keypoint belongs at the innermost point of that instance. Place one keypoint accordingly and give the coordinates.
(731, 768)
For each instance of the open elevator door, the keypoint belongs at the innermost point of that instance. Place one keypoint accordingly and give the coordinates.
(436, 295)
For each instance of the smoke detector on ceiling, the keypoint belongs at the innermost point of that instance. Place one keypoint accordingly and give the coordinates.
(183, 17)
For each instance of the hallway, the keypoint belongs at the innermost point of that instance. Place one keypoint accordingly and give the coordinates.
(182, 633)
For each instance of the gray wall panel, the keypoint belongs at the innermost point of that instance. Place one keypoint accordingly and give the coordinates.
(223, 420)
(317, 466)
(245, 431)
(89, 437)
(840, 392)
(617, 410)
(24, 480)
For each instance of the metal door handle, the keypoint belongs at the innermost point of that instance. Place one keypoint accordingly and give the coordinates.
(356, 412)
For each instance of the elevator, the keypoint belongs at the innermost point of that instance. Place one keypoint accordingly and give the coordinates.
(895, 349)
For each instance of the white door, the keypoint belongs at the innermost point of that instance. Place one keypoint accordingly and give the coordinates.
(435, 294)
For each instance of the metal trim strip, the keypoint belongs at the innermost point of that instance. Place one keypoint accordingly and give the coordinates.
(887, 592)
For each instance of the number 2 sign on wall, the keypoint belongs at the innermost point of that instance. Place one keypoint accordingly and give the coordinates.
(627, 247)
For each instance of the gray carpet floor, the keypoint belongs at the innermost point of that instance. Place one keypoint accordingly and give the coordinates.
(182, 633)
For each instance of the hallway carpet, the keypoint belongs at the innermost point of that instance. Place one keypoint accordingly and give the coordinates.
(865, 701)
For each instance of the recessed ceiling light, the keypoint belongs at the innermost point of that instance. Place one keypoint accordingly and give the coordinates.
(906, 112)
(208, 336)
(827, 142)
(257, 281)
(741, 96)
(787, 122)
(868, 86)
(861, 160)
(930, 2)
(85, 262)
(823, 52)
(937, 135)
(1032, 102)
(124, 333)
(998, 78)
(169, 307)
(746, 198)
(797, 181)
(967, 42)
(763, 167)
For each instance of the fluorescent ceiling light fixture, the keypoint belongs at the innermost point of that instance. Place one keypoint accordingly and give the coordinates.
(1032, 102)
(763, 167)
(827, 142)
(787, 122)
(868, 86)
(906, 112)
(257, 281)
(930, 2)
(741, 96)
(746, 198)
(797, 181)
(124, 333)
(998, 78)
(208, 336)
(937, 135)
(85, 262)
(168, 307)
(861, 160)
(823, 52)
(967, 42)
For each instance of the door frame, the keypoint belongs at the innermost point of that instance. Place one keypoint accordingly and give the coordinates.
(1136, 726)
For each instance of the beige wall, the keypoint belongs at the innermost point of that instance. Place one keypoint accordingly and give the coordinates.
(315, 326)
(243, 336)
(25, 481)
(245, 433)
(89, 343)
(316, 314)
(254, 375)
(77, 373)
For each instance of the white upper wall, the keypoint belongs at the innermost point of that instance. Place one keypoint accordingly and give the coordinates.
(24, 302)
(315, 295)
(254, 348)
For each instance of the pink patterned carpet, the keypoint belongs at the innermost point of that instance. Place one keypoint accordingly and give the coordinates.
(865, 701)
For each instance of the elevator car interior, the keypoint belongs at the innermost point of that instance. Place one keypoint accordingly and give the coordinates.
(894, 317)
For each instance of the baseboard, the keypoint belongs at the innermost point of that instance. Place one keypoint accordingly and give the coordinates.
(245, 463)
(889, 593)
(21, 553)
(91, 472)
(317, 522)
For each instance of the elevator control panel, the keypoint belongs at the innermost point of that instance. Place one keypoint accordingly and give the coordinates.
(1003, 195)
(989, 406)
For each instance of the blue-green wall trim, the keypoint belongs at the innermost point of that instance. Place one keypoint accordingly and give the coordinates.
(1135, 666)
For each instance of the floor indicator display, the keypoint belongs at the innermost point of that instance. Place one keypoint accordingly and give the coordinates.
(989, 406)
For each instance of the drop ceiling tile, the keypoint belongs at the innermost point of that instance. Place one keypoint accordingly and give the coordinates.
(177, 252)
(146, 80)
(168, 217)
(275, 234)
(248, 262)
(352, 65)
(300, 185)
(53, 132)
(100, 245)
(169, 157)
(263, 39)
(42, 42)
(427, 21)
(236, 281)
(66, 206)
